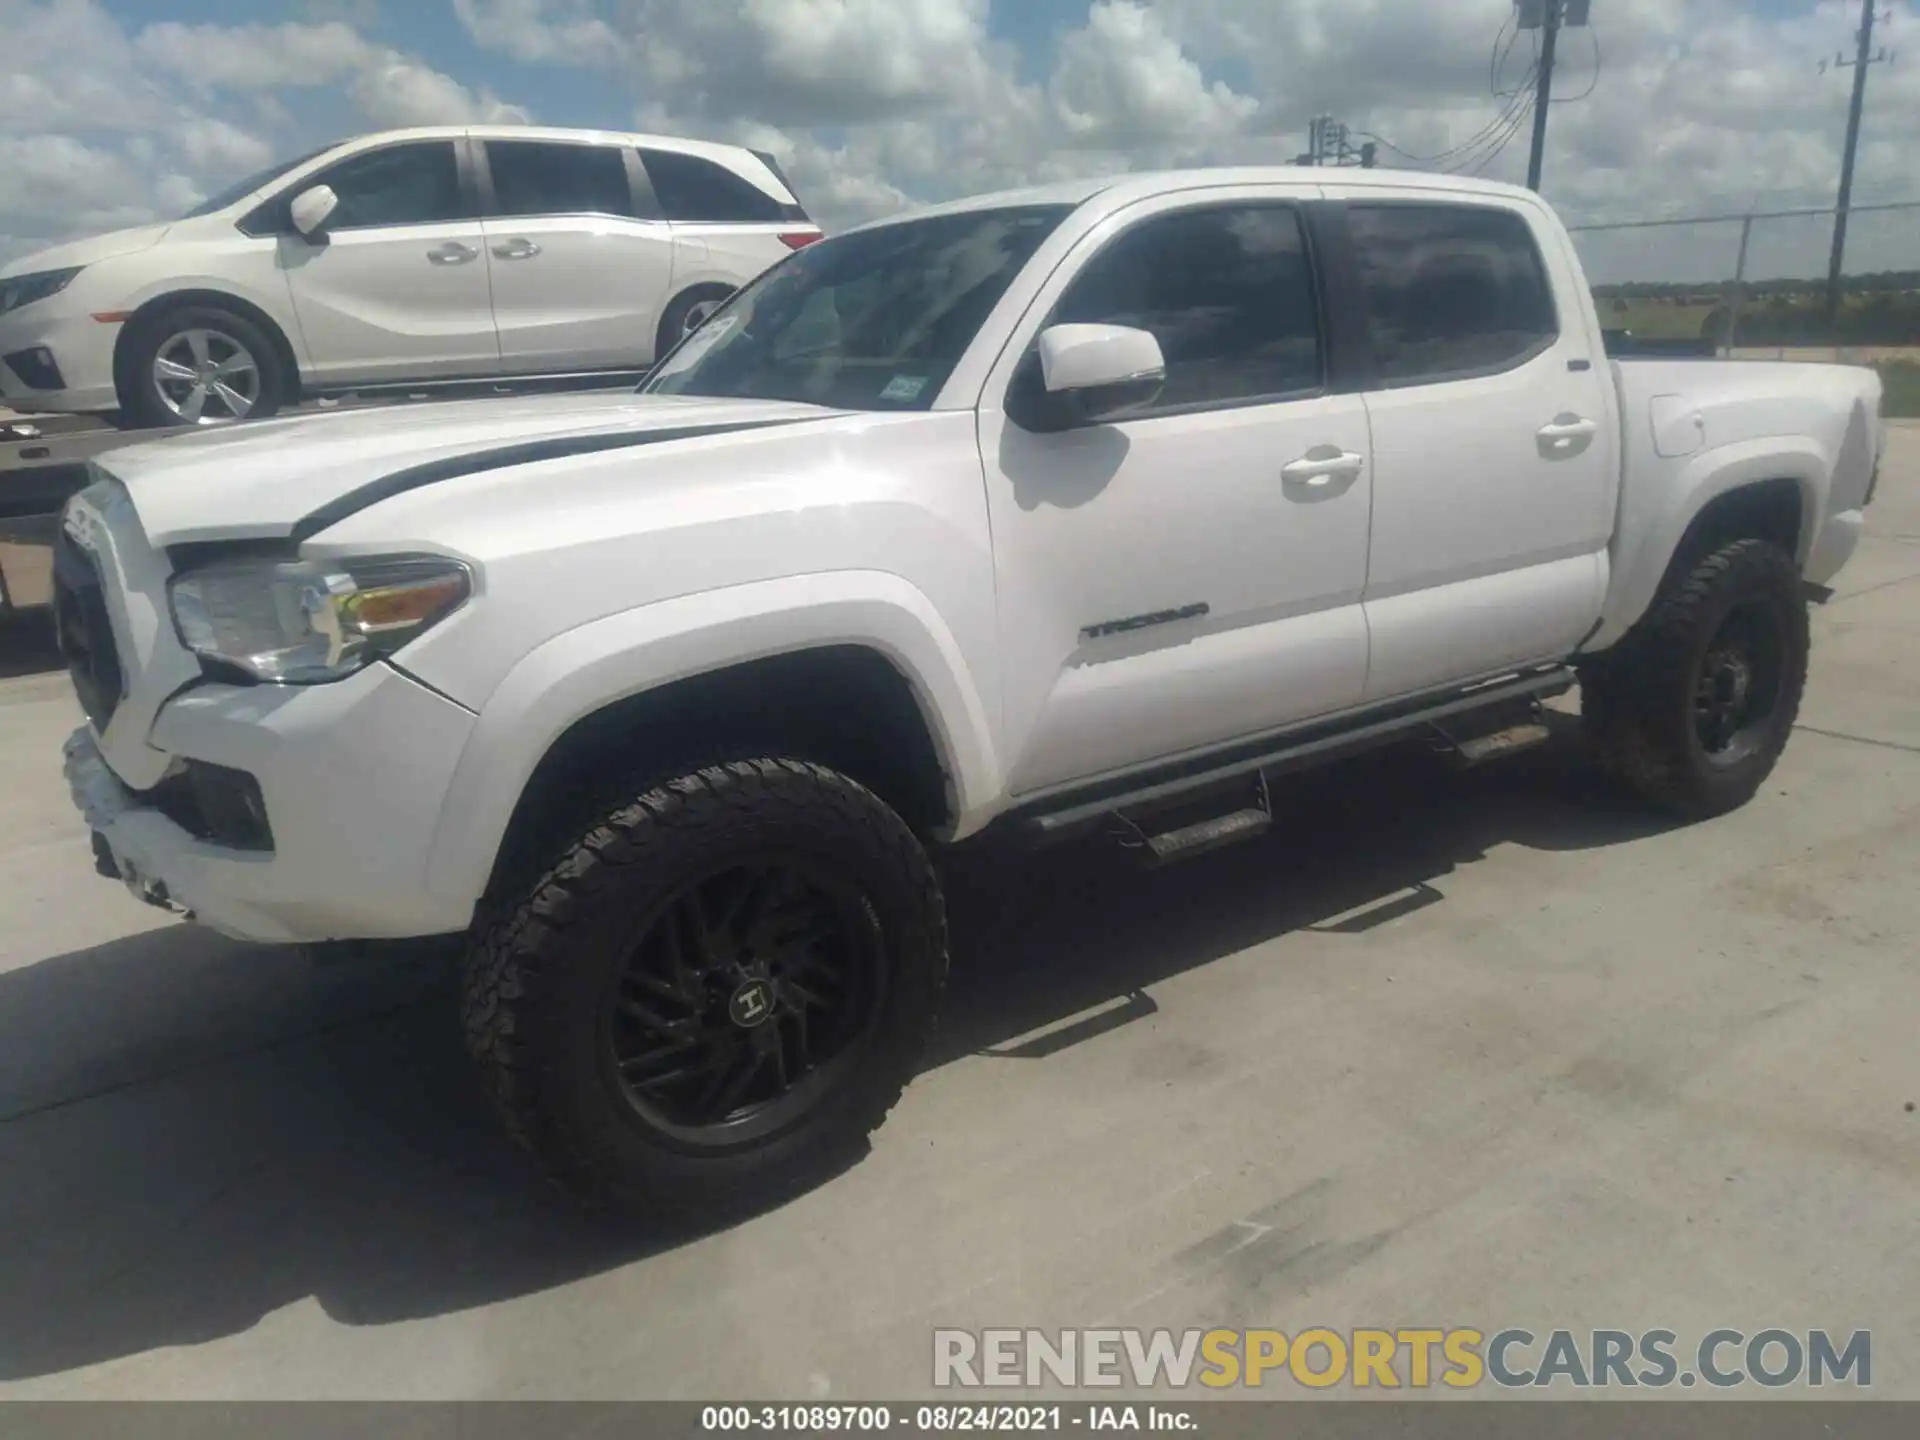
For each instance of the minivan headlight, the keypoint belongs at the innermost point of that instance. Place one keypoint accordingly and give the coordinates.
(25, 289)
(302, 622)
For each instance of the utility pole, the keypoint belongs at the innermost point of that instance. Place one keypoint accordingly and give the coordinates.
(1549, 17)
(1863, 57)
(1543, 92)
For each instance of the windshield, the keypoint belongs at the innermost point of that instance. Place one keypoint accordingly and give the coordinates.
(252, 183)
(874, 320)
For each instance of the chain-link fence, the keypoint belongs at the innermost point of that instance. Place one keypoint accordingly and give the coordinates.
(1755, 286)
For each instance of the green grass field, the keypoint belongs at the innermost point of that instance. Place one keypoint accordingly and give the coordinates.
(1902, 379)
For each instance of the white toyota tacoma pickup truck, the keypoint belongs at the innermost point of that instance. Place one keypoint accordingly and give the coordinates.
(1085, 507)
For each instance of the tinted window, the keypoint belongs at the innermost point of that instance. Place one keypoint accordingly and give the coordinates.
(1450, 289)
(1227, 292)
(694, 189)
(531, 178)
(401, 185)
(871, 320)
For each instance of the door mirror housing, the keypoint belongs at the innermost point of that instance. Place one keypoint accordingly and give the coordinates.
(312, 208)
(1083, 374)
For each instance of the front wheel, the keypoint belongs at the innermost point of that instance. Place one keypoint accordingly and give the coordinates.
(1694, 707)
(716, 994)
(198, 365)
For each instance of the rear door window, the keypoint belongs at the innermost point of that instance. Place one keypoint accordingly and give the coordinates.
(533, 177)
(691, 188)
(1452, 291)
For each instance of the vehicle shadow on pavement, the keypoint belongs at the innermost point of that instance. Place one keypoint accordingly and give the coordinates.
(195, 1134)
(26, 643)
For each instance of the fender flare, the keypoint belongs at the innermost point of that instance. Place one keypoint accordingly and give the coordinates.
(585, 669)
(1641, 566)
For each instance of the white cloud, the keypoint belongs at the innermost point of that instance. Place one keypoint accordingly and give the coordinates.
(103, 128)
(531, 30)
(1123, 81)
(393, 91)
(1700, 106)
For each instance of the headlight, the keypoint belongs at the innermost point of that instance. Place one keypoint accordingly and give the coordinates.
(25, 289)
(298, 622)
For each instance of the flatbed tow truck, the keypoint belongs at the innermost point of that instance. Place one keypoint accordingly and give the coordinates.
(43, 461)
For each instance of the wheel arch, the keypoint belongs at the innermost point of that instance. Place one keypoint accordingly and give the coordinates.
(867, 680)
(1772, 489)
(218, 299)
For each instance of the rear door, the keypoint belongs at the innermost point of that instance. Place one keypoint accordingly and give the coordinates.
(727, 228)
(581, 265)
(1494, 439)
(396, 289)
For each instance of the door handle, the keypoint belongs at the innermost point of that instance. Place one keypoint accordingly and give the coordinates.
(1322, 465)
(519, 248)
(1566, 436)
(452, 253)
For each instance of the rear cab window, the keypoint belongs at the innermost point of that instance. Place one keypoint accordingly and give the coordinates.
(1450, 291)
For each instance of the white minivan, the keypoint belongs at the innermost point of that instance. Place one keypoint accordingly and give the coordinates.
(406, 258)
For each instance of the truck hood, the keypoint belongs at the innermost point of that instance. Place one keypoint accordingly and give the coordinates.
(86, 252)
(274, 478)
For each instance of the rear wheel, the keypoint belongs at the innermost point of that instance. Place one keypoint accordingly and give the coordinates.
(686, 314)
(716, 994)
(1695, 706)
(199, 365)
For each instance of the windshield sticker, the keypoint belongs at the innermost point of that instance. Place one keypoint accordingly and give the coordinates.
(904, 387)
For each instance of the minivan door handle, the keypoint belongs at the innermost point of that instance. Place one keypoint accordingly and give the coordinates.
(452, 253)
(518, 248)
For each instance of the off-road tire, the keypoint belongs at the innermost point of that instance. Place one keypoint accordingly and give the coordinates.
(1638, 698)
(537, 974)
(140, 404)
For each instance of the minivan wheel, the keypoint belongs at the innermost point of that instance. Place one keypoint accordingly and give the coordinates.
(199, 365)
(1694, 707)
(716, 994)
(686, 314)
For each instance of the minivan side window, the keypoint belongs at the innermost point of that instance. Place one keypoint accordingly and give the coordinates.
(543, 177)
(1452, 291)
(1227, 291)
(692, 188)
(416, 184)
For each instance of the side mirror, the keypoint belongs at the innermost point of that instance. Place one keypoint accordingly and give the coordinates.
(312, 208)
(1082, 374)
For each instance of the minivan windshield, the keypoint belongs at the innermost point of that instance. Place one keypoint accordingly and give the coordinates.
(259, 181)
(872, 320)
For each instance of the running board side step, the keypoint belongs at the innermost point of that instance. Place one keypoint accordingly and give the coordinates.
(1300, 750)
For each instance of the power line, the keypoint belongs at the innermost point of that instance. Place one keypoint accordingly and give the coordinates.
(1513, 128)
(1593, 34)
(1473, 142)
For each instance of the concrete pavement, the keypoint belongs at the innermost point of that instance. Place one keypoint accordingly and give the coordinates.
(1494, 1049)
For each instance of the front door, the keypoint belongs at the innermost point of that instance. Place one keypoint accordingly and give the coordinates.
(397, 288)
(579, 279)
(1190, 574)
